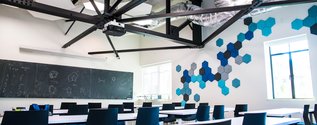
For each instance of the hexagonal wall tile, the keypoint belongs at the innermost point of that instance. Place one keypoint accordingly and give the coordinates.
(238, 45)
(219, 42)
(202, 85)
(201, 71)
(313, 11)
(261, 24)
(217, 76)
(236, 83)
(197, 97)
(221, 83)
(225, 91)
(178, 68)
(241, 37)
(238, 60)
(227, 54)
(309, 21)
(224, 76)
(249, 35)
(205, 64)
(178, 91)
(247, 21)
(183, 103)
(221, 69)
(186, 97)
(193, 66)
(252, 27)
(228, 69)
(266, 31)
(270, 22)
(297, 24)
(313, 29)
(246, 58)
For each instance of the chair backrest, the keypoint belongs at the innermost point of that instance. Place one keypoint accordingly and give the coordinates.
(168, 107)
(94, 105)
(148, 116)
(25, 118)
(189, 106)
(315, 112)
(35, 107)
(306, 115)
(254, 119)
(129, 105)
(102, 117)
(240, 108)
(67, 105)
(78, 110)
(177, 104)
(219, 112)
(117, 106)
(202, 113)
(204, 104)
(147, 104)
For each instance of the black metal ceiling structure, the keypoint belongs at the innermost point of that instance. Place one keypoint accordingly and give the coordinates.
(172, 32)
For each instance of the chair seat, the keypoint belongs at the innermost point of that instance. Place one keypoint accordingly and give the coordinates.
(170, 118)
(189, 118)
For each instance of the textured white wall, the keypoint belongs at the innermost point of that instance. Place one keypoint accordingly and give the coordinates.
(19, 28)
(253, 89)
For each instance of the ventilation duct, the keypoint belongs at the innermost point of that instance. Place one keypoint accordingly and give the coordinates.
(212, 19)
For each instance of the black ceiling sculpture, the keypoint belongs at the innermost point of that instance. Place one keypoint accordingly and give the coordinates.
(110, 14)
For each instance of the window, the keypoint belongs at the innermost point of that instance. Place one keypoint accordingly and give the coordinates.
(289, 68)
(157, 81)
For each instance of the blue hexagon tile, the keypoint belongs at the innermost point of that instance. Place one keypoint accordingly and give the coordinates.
(197, 97)
(310, 21)
(222, 75)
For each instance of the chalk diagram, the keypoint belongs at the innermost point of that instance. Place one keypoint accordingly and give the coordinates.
(53, 74)
(69, 91)
(52, 90)
(73, 77)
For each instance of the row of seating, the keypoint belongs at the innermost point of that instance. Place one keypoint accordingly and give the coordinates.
(306, 113)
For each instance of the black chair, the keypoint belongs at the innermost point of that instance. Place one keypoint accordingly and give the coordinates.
(227, 122)
(202, 113)
(117, 106)
(67, 105)
(306, 115)
(204, 104)
(219, 112)
(94, 105)
(189, 117)
(315, 112)
(148, 116)
(240, 108)
(147, 104)
(177, 104)
(25, 118)
(102, 117)
(254, 119)
(170, 118)
(78, 110)
(128, 105)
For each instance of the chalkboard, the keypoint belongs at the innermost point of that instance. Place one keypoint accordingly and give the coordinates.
(34, 80)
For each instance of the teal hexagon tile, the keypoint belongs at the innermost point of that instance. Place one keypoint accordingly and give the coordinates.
(178, 68)
(202, 84)
(219, 42)
(309, 21)
(199, 78)
(236, 83)
(225, 91)
(313, 29)
(312, 12)
(266, 31)
(297, 24)
(183, 103)
(270, 22)
(252, 27)
(241, 37)
(194, 78)
(221, 83)
(188, 91)
(261, 24)
(246, 58)
(178, 91)
(197, 97)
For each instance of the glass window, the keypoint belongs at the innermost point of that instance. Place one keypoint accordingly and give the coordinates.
(157, 81)
(290, 69)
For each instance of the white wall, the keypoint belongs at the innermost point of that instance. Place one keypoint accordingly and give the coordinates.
(19, 28)
(253, 89)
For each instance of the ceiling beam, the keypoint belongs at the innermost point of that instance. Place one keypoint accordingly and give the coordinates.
(55, 11)
(236, 17)
(142, 31)
(141, 49)
(214, 10)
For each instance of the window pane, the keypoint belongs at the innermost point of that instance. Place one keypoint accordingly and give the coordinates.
(302, 75)
(281, 76)
(282, 48)
(300, 45)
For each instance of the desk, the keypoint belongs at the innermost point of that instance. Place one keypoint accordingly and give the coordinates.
(65, 111)
(66, 119)
(239, 120)
(188, 111)
(279, 112)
